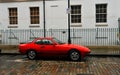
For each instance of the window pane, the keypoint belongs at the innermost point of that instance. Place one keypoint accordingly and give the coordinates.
(34, 19)
(76, 18)
(76, 9)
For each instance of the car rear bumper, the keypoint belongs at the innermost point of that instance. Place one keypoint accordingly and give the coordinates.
(22, 52)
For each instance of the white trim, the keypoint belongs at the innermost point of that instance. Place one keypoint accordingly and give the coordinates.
(34, 25)
(13, 26)
(101, 24)
(76, 25)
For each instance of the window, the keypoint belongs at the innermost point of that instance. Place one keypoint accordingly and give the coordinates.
(44, 42)
(101, 13)
(76, 14)
(39, 42)
(47, 42)
(13, 16)
(34, 15)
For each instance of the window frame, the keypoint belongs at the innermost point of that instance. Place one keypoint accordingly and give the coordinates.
(13, 17)
(101, 14)
(74, 13)
(34, 16)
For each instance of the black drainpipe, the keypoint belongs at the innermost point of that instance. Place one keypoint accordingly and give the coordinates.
(44, 26)
(69, 39)
(119, 24)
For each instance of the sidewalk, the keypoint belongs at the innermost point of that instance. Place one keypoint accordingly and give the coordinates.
(105, 52)
(9, 52)
(20, 65)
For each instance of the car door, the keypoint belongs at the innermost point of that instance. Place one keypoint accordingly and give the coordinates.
(38, 45)
(47, 48)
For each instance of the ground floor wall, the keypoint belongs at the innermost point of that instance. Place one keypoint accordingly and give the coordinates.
(88, 36)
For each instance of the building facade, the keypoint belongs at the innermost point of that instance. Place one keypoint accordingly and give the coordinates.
(92, 22)
(29, 14)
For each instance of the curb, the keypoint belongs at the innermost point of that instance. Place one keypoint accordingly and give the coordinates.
(105, 55)
(110, 55)
(10, 54)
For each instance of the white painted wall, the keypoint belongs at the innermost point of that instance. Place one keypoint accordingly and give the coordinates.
(56, 16)
(23, 14)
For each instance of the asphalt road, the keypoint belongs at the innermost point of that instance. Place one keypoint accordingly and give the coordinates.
(92, 65)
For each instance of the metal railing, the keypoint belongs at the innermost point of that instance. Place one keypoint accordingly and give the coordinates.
(88, 37)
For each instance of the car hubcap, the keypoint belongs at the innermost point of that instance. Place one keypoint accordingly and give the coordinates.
(74, 55)
(31, 54)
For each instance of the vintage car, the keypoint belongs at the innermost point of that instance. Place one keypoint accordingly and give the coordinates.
(51, 47)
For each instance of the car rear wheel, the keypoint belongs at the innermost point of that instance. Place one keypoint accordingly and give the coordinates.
(74, 55)
(31, 54)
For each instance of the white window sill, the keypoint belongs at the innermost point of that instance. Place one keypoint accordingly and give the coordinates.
(76, 25)
(34, 26)
(13, 26)
(101, 24)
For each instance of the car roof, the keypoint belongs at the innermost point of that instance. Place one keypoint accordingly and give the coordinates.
(45, 38)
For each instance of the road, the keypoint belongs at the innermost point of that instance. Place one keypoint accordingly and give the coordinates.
(92, 65)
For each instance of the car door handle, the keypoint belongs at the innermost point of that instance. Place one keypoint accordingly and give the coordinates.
(42, 46)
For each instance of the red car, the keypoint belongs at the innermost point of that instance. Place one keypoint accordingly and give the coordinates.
(52, 47)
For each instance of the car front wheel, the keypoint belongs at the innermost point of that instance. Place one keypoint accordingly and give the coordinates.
(74, 55)
(31, 54)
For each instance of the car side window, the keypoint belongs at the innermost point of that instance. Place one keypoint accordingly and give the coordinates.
(39, 42)
(47, 42)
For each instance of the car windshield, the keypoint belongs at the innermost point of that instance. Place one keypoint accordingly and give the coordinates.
(58, 41)
(29, 40)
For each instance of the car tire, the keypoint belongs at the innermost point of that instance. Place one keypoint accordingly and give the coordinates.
(74, 55)
(31, 54)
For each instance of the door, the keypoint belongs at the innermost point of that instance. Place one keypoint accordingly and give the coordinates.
(47, 48)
